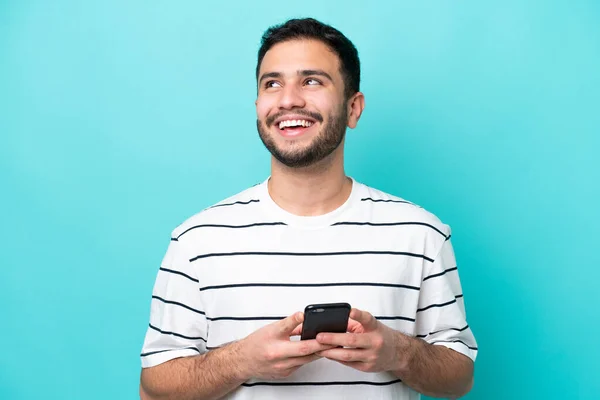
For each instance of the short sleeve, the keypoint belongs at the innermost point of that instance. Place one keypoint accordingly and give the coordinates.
(178, 325)
(441, 315)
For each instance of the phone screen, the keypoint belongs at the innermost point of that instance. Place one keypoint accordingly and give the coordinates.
(329, 317)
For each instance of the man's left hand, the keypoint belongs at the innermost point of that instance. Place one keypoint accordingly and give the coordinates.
(368, 346)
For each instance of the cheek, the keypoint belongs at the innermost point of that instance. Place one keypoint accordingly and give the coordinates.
(321, 102)
(263, 107)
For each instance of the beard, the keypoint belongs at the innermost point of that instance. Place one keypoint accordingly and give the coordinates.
(326, 141)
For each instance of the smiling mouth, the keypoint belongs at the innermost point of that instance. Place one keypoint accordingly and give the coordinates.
(293, 128)
(294, 124)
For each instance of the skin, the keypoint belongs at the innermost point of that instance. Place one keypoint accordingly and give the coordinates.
(322, 186)
(308, 178)
(267, 353)
(370, 346)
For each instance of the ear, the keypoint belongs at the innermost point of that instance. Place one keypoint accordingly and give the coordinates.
(356, 105)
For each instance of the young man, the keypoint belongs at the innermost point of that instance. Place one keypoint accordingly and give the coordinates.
(226, 306)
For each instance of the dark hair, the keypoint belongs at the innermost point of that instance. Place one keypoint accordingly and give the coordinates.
(309, 28)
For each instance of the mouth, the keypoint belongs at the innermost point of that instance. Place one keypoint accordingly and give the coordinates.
(294, 127)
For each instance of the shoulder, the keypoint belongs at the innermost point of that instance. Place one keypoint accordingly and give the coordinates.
(386, 207)
(231, 210)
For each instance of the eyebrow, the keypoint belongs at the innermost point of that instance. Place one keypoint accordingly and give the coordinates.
(269, 75)
(318, 72)
(304, 72)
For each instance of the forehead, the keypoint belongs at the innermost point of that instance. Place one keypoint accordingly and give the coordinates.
(293, 55)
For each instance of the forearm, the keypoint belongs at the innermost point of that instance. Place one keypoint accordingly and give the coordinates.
(204, 377)
(435, 371)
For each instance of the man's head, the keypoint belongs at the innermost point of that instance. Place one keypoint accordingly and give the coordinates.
(308, 77)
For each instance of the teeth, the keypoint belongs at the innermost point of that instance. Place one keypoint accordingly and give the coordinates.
(294, 122)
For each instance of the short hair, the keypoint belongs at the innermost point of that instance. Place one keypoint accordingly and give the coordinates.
(310, 28)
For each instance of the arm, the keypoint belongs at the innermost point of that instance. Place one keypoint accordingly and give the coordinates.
(444, 370)
(435, 371)
(267, 353)
(371, 346)
(448, 347)
(207, 376)
(175, 360)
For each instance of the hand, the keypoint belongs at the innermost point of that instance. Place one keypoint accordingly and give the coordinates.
(269, 353)
(369, 345)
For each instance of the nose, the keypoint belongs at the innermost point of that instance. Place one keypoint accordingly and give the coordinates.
(291, 97)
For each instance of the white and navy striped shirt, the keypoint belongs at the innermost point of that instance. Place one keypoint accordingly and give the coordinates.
(245, 262)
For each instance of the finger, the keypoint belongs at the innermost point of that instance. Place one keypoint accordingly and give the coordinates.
(355, 326)
(346, 355)
(287, 325)
(364, 318)
(297, 362)
(297, 330)
(303, 348)
(353, 340)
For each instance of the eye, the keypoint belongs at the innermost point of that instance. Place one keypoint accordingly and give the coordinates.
(272, 84)
(312, 82)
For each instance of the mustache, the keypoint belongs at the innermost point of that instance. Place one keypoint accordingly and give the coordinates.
(314, 115)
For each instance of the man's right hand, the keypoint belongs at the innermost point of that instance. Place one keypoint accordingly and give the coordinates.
(269, 353)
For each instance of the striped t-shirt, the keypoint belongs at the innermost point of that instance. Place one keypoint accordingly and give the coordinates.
(245, 262)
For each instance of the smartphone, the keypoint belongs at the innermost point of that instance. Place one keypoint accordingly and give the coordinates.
(329, 317)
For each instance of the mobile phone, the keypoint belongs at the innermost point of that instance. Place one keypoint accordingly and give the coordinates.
(329, 317)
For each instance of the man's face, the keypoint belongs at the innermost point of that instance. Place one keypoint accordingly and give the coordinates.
(301, 112)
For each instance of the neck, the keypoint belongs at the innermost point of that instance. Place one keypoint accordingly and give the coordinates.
(314, 190)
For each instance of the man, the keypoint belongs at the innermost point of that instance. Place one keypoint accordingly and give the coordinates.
(226, 306)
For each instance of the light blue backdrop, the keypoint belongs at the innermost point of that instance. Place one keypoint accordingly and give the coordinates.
(118, 120)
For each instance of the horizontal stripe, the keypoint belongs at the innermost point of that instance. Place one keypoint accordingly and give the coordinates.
(392, 224)
(174, 240)
(244, 318)
(385, 318)
(454, 341)
(376, 284)
(436, 305)
(275, 318)
(385, 201)
(164, 351)
(177, 334)
(338, 383)
(452, 329)
(172, 271)
(440, 274)
(444, 330)
(235, 203)
(178, 304)
(230, 226)
(340, 253)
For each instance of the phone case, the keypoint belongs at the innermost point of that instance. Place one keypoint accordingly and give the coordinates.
(329, 317)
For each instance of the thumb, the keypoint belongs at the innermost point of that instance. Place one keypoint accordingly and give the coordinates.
(364, 318)
(355, 326)
(297, 330)
(287, 325)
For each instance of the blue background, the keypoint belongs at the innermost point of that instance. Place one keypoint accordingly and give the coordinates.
(118, 120)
